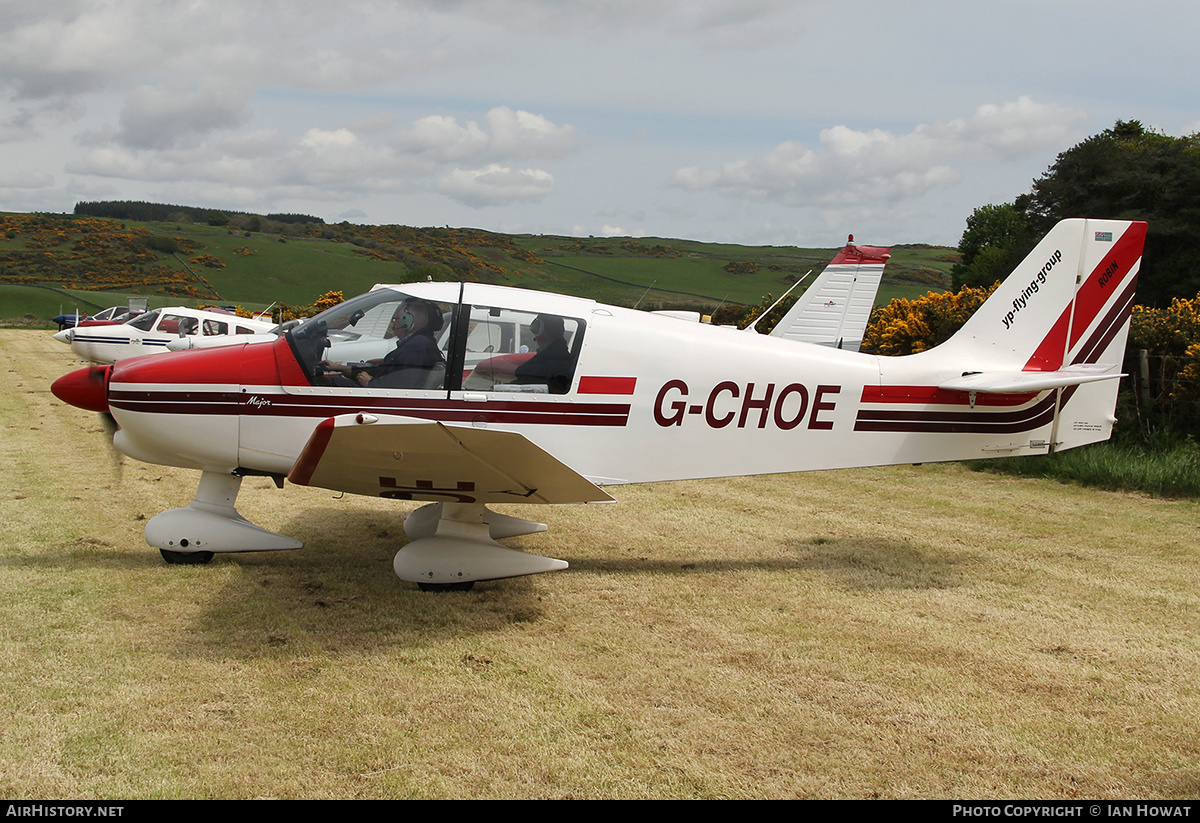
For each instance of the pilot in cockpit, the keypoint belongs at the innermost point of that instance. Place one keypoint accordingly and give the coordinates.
(415, 363)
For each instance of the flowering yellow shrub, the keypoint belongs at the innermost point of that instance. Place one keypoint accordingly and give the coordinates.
(84, 253)
(908, 326)
(1171, 338)
(207, 260)
(327, 301)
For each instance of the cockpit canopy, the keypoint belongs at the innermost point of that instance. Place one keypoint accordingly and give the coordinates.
(463, 346)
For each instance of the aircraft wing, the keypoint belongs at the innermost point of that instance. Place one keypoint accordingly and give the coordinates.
(410, 459)
(1016, 382)
(834, 310)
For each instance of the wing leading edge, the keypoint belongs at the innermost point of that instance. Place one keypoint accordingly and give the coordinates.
(410, 459)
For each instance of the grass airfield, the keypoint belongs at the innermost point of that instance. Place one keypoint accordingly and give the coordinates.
(896, 632)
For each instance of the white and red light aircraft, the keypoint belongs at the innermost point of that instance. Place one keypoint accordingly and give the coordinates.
(153, 331)
(612, 396)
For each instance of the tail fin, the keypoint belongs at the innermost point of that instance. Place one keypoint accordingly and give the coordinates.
(1064, 304)
(1060, 322)
(834, 310)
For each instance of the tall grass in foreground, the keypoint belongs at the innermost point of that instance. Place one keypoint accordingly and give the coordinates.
(1162, 469)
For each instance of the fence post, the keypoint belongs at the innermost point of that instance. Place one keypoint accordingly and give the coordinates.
(1144, 375)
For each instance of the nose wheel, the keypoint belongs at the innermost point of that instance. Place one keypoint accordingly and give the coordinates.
(186, 558)
(446, 587)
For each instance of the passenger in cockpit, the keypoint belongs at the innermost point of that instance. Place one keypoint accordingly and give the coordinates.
(552, 364)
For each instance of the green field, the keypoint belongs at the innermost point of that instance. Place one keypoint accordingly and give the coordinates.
(260, 268)
(294, 271)
(696, 278)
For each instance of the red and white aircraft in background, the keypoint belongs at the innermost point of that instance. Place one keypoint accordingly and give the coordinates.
(620, 396)
(112, 316)
(151, 332)
(835, 309)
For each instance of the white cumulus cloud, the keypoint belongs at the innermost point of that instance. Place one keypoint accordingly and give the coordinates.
(25, 179)
(851, 167)
(508, 135)
(495, 185)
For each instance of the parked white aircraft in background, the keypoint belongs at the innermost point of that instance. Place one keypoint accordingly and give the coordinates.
(151, 332)
(449, 403)
(212, 341)
(835, 309)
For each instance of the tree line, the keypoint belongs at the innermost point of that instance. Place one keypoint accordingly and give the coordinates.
(1127, 172)
(145, 212)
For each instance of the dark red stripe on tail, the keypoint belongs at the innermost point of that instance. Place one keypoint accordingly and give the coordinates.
(1091, 297)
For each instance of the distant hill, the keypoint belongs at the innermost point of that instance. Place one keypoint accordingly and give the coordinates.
(256, 260)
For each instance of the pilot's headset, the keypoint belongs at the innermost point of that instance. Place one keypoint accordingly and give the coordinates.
(432, 313)
(546, 323)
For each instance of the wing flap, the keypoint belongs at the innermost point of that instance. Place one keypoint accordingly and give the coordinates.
(410, 459)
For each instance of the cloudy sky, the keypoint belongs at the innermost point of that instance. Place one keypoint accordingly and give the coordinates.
(752, 121)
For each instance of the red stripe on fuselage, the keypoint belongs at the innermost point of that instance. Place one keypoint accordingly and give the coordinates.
(942, 397)
(977, 422)
(196, 400)
(607, 385)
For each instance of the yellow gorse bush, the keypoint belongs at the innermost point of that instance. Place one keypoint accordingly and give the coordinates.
(911, 325)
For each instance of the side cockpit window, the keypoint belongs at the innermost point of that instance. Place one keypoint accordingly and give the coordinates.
(382, 340)
(146, 321)
(518, 351)
(387, 339)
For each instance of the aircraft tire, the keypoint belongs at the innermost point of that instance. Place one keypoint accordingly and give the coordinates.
(186, 558)
(446, 587)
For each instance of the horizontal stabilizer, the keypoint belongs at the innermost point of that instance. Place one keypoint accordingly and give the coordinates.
(409, 459)
(1015, 382)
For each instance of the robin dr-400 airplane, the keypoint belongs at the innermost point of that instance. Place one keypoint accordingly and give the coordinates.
(464, 395)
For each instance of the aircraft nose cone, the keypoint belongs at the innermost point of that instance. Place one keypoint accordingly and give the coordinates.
(85, 388)
(64, 336)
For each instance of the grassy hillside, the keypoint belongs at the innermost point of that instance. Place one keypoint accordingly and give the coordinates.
(690, 273)
(53, 263)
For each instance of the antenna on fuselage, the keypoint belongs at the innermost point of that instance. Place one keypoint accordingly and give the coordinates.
(720, 303)
(777, 302)
(647, 291)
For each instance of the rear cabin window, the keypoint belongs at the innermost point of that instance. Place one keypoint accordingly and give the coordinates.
(173, 323)
(518, 351)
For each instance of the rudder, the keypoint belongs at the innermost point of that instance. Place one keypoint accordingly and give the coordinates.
(1064, 303)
